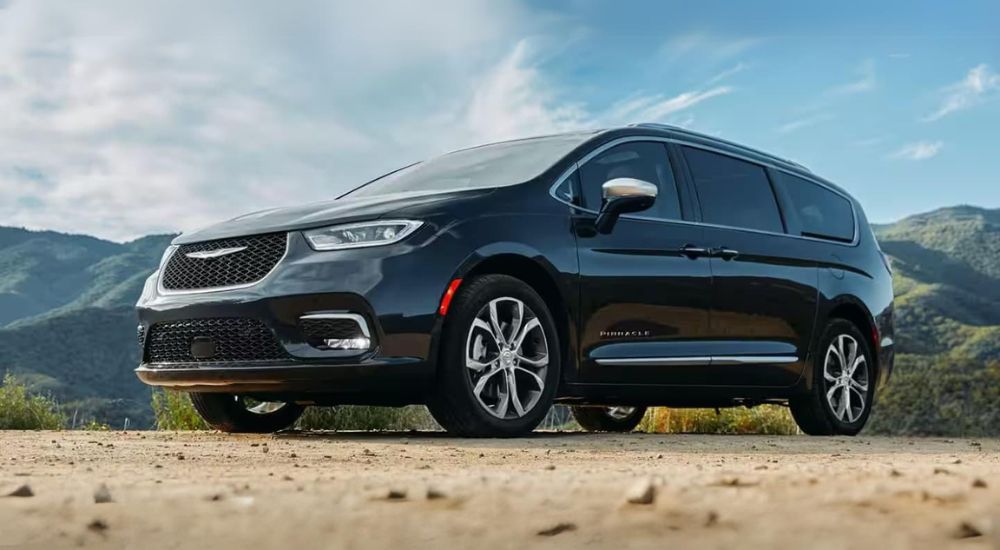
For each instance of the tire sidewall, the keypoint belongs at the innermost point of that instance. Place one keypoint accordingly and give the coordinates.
(469, 301)
(821, 386)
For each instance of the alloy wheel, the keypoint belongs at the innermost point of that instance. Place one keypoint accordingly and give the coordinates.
(845, 371)
(259, 407)
(507, 357)
(620, 413)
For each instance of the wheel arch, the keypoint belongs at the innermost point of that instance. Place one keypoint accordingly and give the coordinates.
(541, 277)
(857, 314)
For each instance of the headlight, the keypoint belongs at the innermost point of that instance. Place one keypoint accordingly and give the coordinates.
(359, 235)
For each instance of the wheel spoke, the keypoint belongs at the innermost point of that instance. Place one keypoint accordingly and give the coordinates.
(860, 386)
(839, 350)
(512, 389)
(845, 402)
(538, 379)
(495, 321)
(481, 384)
(503, 399)
(858, 361)
(479, 323)
(852, 356)
(528, 327)
(829, 394)
(534, 361)
(477, 365)
(516, 321)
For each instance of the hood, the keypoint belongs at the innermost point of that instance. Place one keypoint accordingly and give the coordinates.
(308, 216)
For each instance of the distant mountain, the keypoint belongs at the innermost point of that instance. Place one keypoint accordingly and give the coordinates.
(947, 279)
(67, 326)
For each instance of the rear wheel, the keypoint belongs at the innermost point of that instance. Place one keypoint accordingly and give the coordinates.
(499, 360)
(608, 419)
(843, 384)
(236, 413)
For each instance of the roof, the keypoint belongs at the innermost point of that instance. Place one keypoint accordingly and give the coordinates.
(735, 147)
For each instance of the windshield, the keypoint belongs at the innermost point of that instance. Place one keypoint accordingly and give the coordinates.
(495, 165)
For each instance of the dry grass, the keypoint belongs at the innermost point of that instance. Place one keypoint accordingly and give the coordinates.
(763, 420)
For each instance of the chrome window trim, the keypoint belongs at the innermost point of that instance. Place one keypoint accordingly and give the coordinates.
(166, 258)
(356, 317)
(808, 177)
(699, 360)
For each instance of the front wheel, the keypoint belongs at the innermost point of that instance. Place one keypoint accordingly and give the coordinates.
(843, 384)
(499, 363)
(239, 414)
(608, 419)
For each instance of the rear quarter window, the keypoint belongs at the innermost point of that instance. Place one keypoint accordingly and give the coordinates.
(819, 212)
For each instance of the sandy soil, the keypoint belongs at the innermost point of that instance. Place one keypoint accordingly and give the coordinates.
(208, 490)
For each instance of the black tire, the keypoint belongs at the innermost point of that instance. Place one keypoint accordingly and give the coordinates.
(601, 419)
(229, 413)
(452, 403)
(813, 412)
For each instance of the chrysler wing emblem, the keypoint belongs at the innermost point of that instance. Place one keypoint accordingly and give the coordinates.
(217, 253)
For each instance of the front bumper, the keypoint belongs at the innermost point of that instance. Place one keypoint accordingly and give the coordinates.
(395, 293)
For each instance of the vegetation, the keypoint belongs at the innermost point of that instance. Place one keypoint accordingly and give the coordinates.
(940, 395)
(765, 419)
(350, 417)
(174, 411)
(19, 410)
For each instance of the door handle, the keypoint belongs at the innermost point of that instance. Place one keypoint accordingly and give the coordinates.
(726, 253)
(692, 251)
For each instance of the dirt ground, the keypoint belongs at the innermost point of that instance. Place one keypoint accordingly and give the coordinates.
(419, 490)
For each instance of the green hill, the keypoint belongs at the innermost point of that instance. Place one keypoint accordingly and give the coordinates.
(66, 321)
(947, 279)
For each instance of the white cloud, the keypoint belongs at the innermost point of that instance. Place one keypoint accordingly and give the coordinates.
(656, 108)
(158, 120)
(866, 81)
(980, 84)
(708, 46)
(800, 123)
(920, 150)
(738, 68)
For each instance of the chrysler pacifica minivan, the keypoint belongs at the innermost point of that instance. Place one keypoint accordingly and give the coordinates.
(609, 270)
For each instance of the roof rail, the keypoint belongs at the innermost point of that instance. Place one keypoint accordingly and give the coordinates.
(685, 131)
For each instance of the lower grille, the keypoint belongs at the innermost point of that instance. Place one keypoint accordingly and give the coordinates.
(235, 339)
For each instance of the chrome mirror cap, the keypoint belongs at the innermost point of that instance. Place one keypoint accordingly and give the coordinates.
(628, 187)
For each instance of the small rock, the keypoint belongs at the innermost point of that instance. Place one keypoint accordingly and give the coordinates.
(550, 467)
(643, 492)
(434, 493)
(896, 473)
(556, 529)
(98, 525)
(966, 530)
(396, 494)
(266, 449)
(712, 519)
(22, 491)
(941, 471)
(979, 483)
(102, 495)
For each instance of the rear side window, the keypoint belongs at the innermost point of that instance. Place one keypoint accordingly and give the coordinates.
(643, 160)
(733, 192)
(819, 211)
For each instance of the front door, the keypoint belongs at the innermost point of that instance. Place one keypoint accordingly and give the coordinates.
(645, 288)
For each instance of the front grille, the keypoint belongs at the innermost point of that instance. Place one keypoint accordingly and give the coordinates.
(236, 339)
(253, 259)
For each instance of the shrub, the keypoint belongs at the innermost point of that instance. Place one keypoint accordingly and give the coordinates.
(174, 411)
(367, 418)
(21, 411)
(765, 420)
(940, 395)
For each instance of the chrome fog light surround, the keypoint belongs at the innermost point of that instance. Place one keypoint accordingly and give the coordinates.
(355, 344)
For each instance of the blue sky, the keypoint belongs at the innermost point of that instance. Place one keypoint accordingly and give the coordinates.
(122, 118)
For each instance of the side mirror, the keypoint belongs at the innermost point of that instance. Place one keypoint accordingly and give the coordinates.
(621, 196)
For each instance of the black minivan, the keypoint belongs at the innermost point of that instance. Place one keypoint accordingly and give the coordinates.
(608, 270)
